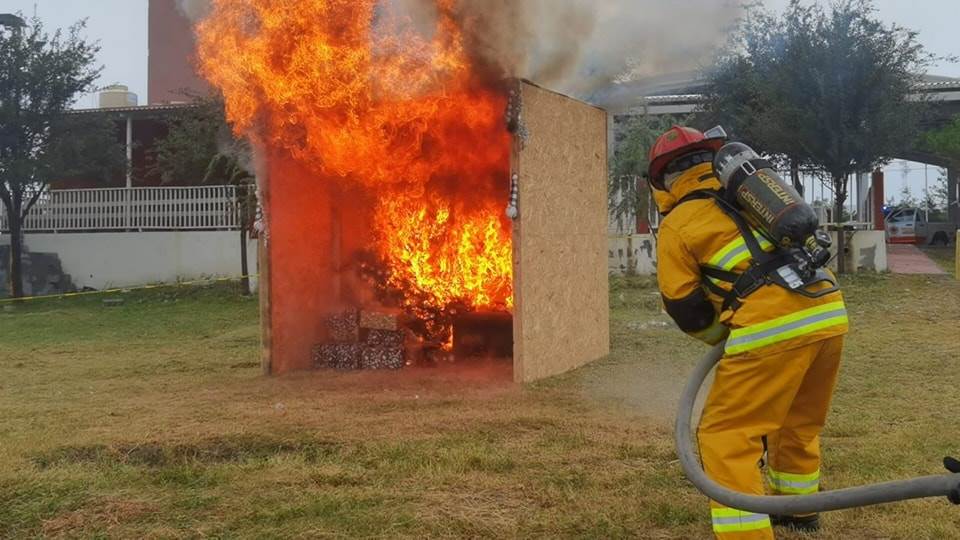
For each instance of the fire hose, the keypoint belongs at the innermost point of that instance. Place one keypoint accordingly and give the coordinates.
(943, 485)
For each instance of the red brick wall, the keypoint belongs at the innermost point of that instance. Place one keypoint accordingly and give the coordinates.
(171, 56)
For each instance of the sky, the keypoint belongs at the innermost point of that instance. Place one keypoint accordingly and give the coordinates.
(121, 28)
(119, 25)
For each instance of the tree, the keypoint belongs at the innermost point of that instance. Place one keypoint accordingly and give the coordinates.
(41, 76)
(628, 194)
(907, 200)
(946, 141)
(199, 144)
(936, 199)
(826, 89)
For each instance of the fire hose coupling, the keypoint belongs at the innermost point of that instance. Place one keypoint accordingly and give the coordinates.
(512, 211)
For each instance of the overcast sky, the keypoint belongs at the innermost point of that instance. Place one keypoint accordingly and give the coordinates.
(121, 28)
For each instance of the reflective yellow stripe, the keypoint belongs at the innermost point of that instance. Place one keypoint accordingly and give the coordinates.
(787, 327)
(736, 252)
(730, 520)
(794, 484)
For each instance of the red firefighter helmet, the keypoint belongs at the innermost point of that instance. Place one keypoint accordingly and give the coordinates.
(678, 141)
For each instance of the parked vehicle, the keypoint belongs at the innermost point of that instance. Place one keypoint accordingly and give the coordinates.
(908, 226)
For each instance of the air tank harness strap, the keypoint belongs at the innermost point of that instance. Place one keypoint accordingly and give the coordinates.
(762, 264)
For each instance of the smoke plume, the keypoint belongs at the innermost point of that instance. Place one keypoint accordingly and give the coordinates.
(194, 10)
(582, 47)
(579, 47)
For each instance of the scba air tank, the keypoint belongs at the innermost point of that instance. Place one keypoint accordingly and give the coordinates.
(770, 205)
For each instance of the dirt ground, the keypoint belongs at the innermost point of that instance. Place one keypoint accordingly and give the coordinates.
(151, 419)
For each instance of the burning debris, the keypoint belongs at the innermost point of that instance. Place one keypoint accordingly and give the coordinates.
(344, 327)
(343, 356)
(404, 124)
(382, 358)
(385, 338)
(379, 320)
(354, 343)
(387, 151)
(373, 340)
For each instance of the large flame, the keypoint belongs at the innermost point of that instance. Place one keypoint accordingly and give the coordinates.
(356, 94)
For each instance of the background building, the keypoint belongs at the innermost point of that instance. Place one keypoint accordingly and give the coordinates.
(171, 74)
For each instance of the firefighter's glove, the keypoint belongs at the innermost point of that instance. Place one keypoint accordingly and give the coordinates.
(713, 334)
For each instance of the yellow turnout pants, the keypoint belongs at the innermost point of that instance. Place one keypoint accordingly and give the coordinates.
(782, 396)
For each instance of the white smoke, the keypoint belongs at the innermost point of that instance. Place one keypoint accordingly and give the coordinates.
(194, 10)
(580, 47)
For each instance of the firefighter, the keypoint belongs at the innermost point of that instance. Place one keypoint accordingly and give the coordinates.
(762, 420)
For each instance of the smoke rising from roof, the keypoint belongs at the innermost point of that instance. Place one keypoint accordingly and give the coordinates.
(194, 9)
(579, 47)
(582, 47)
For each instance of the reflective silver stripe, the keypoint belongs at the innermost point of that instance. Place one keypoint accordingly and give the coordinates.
(722, 263)
(730, 260)
(791, 484)
(747, 518)
(786, 327)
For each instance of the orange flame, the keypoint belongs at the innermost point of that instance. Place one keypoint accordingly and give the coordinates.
(358, 95)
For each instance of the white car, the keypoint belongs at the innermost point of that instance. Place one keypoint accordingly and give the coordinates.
(908, 226)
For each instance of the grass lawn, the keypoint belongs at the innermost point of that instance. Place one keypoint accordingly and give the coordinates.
(944, 256)
(151, 420)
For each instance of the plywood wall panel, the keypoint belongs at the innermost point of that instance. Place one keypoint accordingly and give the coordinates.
(561, 320)
(301, 290)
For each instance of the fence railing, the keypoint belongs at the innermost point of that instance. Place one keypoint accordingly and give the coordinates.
(136, 209)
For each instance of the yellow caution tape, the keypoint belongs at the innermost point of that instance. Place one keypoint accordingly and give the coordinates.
(126, 289)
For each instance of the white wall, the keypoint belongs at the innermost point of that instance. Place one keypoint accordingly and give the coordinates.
(637, 253)
(103, 260)
(867, 251)
(631, 254)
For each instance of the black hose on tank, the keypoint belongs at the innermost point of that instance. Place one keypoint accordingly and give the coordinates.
(944, 485)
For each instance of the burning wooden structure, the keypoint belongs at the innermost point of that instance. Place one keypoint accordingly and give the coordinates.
(560, 309)
(418, 207)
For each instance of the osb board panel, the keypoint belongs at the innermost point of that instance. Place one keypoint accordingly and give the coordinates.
(561, 320)
(300, 288)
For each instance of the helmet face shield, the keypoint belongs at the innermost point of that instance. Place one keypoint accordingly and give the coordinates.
(716, 132)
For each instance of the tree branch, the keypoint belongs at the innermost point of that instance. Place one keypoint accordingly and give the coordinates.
(33, 200)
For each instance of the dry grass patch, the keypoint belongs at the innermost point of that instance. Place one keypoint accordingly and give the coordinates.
(151, 420)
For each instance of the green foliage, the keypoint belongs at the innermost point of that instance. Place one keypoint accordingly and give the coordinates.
(827, 88)
(41, 76)
(628, 195)
(946, 141)
(194, 138)
(200, 144)
(907, 200)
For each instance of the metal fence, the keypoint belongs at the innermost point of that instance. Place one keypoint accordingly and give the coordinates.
(135, 209)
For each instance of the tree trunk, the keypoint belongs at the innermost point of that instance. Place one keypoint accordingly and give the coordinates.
(840, 197)
(15, 282)
(244, 270)
(795, 176)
